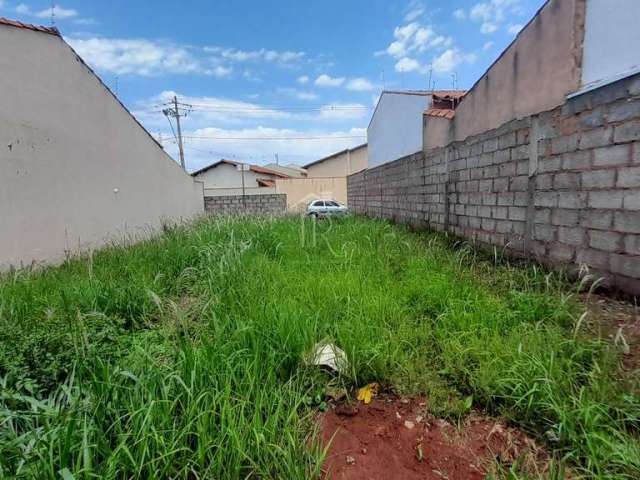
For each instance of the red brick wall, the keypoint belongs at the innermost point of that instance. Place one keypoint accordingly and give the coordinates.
(561, 186)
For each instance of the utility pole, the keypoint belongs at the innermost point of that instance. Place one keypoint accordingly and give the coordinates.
(175, 113)
(175, 103)
(277, 159)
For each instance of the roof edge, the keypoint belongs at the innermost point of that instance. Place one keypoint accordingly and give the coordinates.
(329, 157)
(29, 26)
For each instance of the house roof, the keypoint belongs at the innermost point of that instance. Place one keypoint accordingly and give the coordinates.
(29, 26)
(447, 113)
(424, 93)
(444, 103)
(253, 168)
(333, 155)
(449, 94)
(287, 170)
(266, 182)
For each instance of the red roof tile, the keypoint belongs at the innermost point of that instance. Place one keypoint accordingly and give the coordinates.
(441, 112)
(28, 26)
(449, 93)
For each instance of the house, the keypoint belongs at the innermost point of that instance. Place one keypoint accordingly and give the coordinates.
(291, 170)
(340, 164)
(77, 170)
(227, 177)
(396, 127)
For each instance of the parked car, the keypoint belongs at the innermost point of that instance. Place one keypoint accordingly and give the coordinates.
(326, 208)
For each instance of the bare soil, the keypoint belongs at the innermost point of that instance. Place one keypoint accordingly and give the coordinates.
(394, 438)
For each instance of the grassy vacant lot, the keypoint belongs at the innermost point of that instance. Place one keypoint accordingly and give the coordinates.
(183, 356)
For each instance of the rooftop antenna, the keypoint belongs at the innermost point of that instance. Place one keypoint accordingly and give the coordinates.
(454, 80)
(53, 14)
(430, 76)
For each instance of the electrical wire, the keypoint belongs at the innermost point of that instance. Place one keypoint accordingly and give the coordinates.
(171, 125)
(194, 137)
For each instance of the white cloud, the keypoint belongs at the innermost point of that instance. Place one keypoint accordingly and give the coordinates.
(273, 56)
(142, 57)
(450, 59)
(343, 111)
(360, 85)
(487, 46)
(514, 29)
(298, 94)
(206, 145)
(206, 111)
(459, 14)
(481, 12)
(220, 111)
(413, 39)
(407, 64)
(303, 80)
(414, 10)
(306, 96)
(325, 80)
(60, 13)
(491, 14)
(219, 71)
(488, 27)
(238, 127)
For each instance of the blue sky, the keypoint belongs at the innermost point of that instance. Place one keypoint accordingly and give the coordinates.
(260, 75)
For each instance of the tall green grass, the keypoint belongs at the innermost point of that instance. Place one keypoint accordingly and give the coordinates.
(184, 356)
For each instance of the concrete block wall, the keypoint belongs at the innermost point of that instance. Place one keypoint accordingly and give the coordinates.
(562, 186)
(271, 204)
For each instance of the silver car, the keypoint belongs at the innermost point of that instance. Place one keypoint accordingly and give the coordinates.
(326, 208)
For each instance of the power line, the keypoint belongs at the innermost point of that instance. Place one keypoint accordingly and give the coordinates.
(246, 156)
(195, 137)
(172, 130)
(267, 107)
(263, 109)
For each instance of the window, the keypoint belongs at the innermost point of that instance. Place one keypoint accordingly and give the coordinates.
(319, 203)
(332, 204)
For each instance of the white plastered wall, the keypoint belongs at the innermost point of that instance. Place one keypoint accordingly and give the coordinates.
(76, 170)
(395, 130)
(612, 40)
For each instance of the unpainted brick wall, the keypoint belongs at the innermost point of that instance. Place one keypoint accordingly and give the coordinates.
(562, 186)
(271, 204)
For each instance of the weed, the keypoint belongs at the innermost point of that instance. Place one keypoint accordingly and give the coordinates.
(183, 356)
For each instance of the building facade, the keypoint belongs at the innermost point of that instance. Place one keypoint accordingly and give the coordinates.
(76, 169)
(541, 158)
(227, 177)
(339, 164)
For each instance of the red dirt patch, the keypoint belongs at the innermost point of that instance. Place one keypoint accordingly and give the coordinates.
(396, 439)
